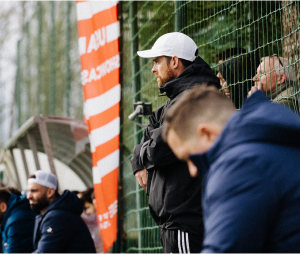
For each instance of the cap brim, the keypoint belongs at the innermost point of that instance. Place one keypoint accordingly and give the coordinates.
(149, 53)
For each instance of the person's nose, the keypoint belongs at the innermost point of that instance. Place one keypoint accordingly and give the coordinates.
(28, 196)
(153, 69)
(255, 78)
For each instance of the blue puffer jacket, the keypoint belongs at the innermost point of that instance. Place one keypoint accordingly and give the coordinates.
(61, 229)
(251, 185)
(17, 226)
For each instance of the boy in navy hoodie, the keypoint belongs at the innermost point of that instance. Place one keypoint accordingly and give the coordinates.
(17, 222)
(249, 161)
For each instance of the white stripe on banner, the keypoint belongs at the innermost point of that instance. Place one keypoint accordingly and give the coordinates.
(82, 45)
(112, 31)
(105, 166)
(103, 102)
(86, 10)
(179, 242)
(104, 133)
(99, 38)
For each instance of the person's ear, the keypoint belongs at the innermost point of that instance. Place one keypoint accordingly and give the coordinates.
(3, 207)
(174, 62)
(281, 79)
(208, 132)
(50, 193)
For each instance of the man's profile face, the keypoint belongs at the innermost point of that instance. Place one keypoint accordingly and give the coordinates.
(89, 208)
(37, 196)
(263, 79)
(162, 70)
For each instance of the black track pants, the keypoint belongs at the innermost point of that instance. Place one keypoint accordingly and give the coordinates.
(177, 241)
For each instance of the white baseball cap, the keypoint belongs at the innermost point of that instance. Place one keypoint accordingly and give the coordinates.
(172, 44)
(44, 178)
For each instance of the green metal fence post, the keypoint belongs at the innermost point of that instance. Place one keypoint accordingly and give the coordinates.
(180, 16)
(52, 83)
(39, 56)
(118, 245)
(136, 90)
(68, 61)
(136, 84)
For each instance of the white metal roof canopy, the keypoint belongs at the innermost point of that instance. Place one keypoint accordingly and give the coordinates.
(61, 138)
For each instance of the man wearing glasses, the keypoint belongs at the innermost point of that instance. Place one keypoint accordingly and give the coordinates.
(275, 77)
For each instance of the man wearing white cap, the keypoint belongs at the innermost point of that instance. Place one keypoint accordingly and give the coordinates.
(174, 196)
(59, 228)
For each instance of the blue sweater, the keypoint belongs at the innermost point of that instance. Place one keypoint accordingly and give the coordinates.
(251, 184)
(61, 229)
(17, 226)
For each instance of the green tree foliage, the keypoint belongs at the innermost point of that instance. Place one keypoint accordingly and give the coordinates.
(35, 99)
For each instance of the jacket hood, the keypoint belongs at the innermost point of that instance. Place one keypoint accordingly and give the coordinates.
(15, 203)
(238, 72)
(197, 73)
(259, 121)
(68, 201)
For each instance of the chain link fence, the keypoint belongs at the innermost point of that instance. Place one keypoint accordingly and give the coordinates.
(232, 37)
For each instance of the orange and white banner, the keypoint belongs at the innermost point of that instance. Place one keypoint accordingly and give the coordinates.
(99, 32)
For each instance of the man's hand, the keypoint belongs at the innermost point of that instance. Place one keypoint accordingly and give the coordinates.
(141, 177)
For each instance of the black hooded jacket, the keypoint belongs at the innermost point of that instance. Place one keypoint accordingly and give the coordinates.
(238, 72)
(174, 196)
(61, 229)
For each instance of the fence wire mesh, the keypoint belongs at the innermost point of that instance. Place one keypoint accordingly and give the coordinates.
(232, 37)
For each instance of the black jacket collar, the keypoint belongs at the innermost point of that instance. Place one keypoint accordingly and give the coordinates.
(197, 73)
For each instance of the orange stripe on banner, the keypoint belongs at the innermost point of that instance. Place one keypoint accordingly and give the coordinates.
(106, 194)
(105, 149)
(99, 20)
(95, 58)
(100, 73)
(110, 14)
(104, 118)
(96, 88)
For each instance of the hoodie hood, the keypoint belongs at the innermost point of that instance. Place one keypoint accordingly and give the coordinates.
(259, 121)
(238, 72)
(197, 73)
(68, 201)
(15, 202)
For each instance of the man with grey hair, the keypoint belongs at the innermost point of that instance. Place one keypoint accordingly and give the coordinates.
(59, 227)
(275, 77)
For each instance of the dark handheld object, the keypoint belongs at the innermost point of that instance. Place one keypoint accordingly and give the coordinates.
(140, 109)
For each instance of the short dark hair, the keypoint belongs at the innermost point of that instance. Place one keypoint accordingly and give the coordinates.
(199, 104)
(14, 190)
(87, 196)
(185, 63)
(4, 195)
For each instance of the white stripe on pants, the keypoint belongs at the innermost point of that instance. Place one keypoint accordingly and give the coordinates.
(184, 241)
